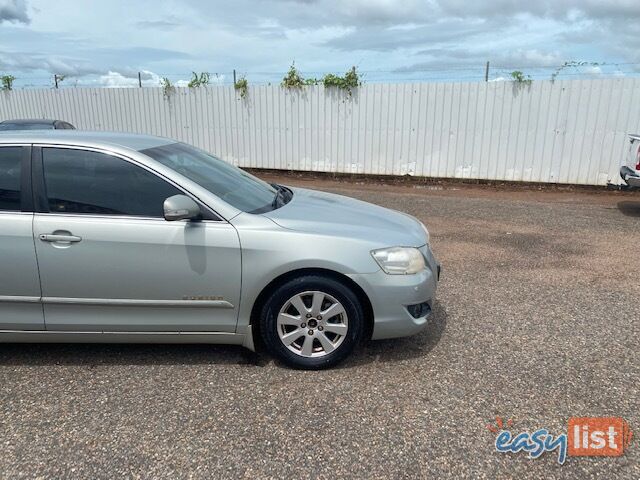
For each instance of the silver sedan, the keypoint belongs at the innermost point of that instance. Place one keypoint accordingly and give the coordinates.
(110, 237)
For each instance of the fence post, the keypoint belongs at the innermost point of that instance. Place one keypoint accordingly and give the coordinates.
(234, 77)
(486, 73)
(55, 79)
(139, 80)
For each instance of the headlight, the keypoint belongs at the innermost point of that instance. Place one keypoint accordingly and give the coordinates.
(399, 260)
(426, 232)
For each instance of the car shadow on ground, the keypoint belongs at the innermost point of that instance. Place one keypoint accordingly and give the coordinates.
(99, 354)
(629, 208)
(94, 355)
(400, 349)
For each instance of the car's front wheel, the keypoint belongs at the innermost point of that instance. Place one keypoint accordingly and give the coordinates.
(311, 322)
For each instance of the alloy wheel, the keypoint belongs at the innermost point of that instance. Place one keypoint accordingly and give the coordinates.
(312, 324)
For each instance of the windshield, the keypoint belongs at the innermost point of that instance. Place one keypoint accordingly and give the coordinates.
(26, 126)
(231, 184)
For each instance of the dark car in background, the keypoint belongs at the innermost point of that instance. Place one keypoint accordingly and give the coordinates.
(35, 124)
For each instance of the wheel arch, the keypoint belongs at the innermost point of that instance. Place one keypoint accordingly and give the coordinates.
(365, 303)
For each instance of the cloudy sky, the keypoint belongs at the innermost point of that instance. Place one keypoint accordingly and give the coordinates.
(108, 41)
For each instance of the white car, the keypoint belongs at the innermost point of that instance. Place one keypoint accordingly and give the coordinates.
(630, 172)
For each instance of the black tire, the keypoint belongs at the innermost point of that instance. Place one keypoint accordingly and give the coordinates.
(295, 286)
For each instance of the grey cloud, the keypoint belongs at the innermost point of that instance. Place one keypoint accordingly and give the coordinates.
(382, 12)
(542, 8)
(447, 57)
(382, 25)
(598, 27)
(627, 43)
(147, 75)
(162, 23)
(427, 32)
(271, 33)
(307, 2)
(616, 34)
(85, 59)
(14, 11)
(77, 67)
(583, 36)
(388, 39)
(148, 54)
(317, 13)
(69, 67)
(30, 62)
(157, 24)
(130, 72)
(301, 14)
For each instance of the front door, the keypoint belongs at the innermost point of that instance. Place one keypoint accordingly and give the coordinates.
(20, 307)
(110, 262)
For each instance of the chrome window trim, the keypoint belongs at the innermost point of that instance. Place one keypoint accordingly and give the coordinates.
(124, 217)
(133, 161)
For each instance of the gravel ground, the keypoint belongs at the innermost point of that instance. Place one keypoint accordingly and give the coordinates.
(535, 322)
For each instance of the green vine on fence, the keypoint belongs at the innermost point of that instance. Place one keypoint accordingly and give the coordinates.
(242, 86)
(6, 82)
(520, 78)
(294, 79)
(167, 87)
(201, 80)
(348, 82)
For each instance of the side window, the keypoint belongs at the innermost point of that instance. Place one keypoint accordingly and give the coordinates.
(10, 160)
(80, 181)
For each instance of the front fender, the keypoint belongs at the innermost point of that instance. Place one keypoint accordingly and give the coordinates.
(270, 251)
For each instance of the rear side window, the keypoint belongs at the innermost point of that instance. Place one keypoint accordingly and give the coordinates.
(10, 170)
(80, 181)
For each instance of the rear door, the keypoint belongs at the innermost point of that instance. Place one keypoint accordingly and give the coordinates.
(20, 307)
(108, 259)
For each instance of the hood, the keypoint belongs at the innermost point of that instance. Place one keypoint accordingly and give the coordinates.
(330, 214)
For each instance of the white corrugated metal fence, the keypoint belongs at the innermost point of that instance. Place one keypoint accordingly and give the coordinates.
(569, 131)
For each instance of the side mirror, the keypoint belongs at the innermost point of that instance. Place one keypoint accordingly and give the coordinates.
(181, 207)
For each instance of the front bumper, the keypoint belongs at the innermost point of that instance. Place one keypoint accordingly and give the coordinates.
(390, 295)
(631, 177)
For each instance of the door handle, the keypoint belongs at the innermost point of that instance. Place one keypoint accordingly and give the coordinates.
(52, 237)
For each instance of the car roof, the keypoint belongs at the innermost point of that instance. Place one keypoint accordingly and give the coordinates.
(28, 121)
(83, 138)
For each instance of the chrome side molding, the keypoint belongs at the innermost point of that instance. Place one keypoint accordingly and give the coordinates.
(116, 302)
(126, 302)
(18, 299)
